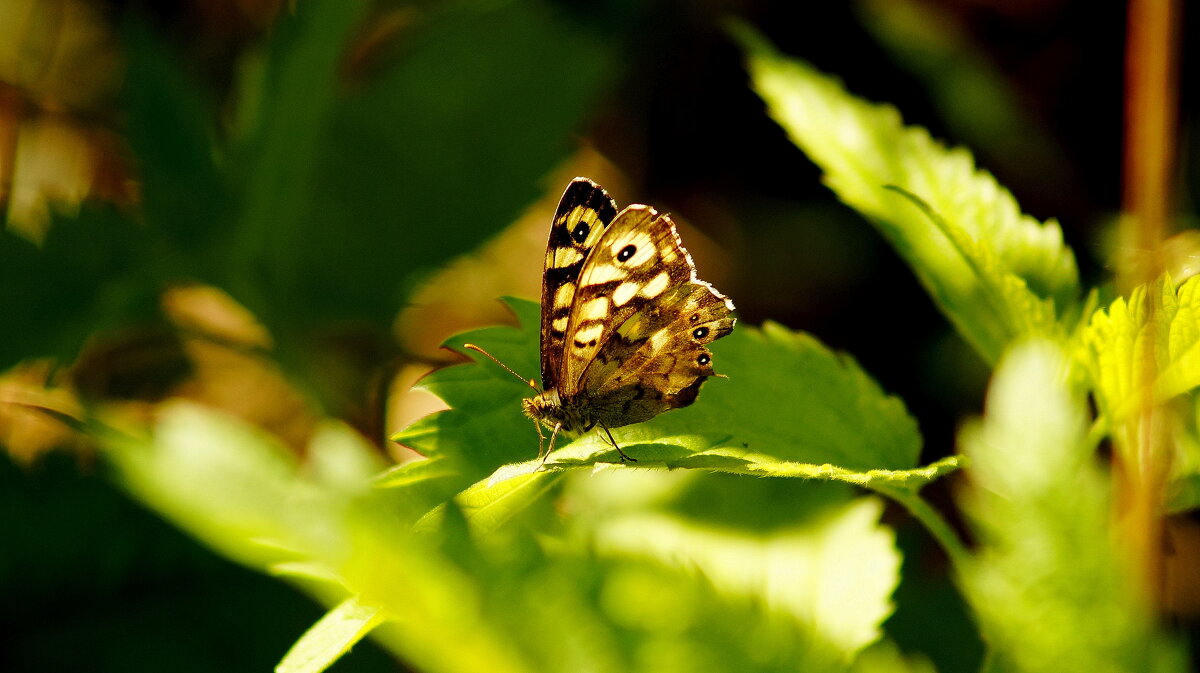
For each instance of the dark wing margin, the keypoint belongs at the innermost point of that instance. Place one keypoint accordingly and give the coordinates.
(584, 212)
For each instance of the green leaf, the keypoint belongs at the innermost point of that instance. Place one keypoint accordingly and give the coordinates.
(279, 158)
(238, 490)
(489, 505)
(732, 461)
(847, 559)
(437, 141)
(997, 274)
(1145, 349)
(790, 407)
(231, 485)
(1116, 346)
(331, 637)
(1047, 583)
(415, 472)
(1183, 489)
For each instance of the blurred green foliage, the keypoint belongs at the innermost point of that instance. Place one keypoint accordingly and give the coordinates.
(316, 178)
(1049, 585)
(320, 196)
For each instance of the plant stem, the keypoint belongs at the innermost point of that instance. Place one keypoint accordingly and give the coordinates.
(934, 522)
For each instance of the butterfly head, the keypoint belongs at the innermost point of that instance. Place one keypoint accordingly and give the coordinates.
(548, 409)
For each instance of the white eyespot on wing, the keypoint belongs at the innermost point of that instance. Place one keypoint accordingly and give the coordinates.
(624, 292)
(564, 257)
(656, 286)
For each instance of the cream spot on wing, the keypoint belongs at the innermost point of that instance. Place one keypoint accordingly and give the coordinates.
(656, 286)
(595, 234)
(596, 309)
(566, 257)
(564, 296)
(660, 339)
(590, 333)
(580, 213)
(624, 292)
(603, 273)
(560, 324)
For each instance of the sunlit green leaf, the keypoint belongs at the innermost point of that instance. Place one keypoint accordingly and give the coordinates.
(242, 493)
(231, 485)
(1049, 587)
(1121, 358)
(835, 577)
(331, 637)
(733, 461)
(788, 402)
(986, 245)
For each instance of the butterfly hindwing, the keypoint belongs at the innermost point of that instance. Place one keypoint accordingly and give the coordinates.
(638, 305)
(657, 358)
(583, 214)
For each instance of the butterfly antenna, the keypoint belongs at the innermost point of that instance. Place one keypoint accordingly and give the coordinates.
(477, 349)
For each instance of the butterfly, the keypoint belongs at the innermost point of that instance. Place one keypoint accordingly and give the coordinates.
(625, 321)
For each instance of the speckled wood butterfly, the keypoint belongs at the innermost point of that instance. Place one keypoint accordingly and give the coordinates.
(625, 321)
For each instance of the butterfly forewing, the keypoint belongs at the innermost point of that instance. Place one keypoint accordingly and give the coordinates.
(638, 304)
(583, 214)
(625, 321)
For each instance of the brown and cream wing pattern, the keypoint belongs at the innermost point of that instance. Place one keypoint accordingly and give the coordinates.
(583, 214)
(641, 319)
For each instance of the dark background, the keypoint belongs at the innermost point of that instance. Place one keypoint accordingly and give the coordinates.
(86, 575)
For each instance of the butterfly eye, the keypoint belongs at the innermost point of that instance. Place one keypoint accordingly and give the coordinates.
(626, 253)
(700, 332)
(703, 359)
(581, 232)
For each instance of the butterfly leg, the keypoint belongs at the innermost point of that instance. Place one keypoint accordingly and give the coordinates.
(541, 437)
(624, 458)
(553, 435)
